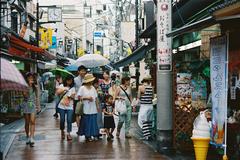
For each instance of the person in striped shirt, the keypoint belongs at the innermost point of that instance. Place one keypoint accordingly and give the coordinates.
(145, 115)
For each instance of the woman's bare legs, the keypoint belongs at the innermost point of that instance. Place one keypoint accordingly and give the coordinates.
(27, 122)
(32, 126)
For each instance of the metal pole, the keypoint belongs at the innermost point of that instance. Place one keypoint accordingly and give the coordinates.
(76, 47)
(226, 94)
(164, 77)
(37, 34)
(102, 46)
(137, 24)
(93, 43)
(137, 42)
(37, 25)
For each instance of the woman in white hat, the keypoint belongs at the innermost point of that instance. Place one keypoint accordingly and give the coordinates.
(145, 115)
(88, 94)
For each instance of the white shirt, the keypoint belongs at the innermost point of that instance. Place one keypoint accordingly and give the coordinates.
(77, 84)
(88, 107)
(68, 94)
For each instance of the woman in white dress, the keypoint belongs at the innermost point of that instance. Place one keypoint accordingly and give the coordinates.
(88, 94)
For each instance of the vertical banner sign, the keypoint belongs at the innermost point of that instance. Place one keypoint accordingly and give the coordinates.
(164, 45)
(43, 38)
(219, 76)
(49, 37)
(54, 42)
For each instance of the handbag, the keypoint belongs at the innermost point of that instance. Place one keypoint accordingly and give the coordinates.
(120, 106)
(60, 99)
(79, 108)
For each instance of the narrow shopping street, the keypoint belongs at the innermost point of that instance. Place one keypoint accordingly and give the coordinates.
(48, 145)
(165, 71)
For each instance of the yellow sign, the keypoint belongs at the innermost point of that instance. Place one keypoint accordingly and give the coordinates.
(49, 37)
(129, 51)
(45, 38)
(80, 52)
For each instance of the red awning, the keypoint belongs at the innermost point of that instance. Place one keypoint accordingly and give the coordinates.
(19, 46)
(24, 44)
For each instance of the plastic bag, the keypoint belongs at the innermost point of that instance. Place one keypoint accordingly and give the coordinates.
(120, 106)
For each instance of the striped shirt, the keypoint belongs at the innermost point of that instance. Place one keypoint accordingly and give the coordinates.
(147, 97)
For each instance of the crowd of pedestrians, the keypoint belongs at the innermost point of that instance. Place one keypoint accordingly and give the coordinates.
(90, 102)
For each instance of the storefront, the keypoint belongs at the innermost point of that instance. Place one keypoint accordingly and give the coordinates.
(194, 82)
(24, 55)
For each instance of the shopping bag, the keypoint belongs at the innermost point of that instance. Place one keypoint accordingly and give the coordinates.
(79, 108)
(120, 106)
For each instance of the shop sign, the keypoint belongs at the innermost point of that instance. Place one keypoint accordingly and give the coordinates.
(98, 34)
(219, 76)
(54, 42)
(164, 44)
(49, 37)
(45, 38)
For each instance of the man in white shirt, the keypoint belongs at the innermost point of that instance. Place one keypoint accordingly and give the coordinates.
(82, 70)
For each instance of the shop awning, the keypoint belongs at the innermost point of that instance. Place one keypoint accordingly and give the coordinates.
(46, 65)
(150, 31)
(5, 54)
(196, 26)
(225, 11)
(137, 55)
(19, 46)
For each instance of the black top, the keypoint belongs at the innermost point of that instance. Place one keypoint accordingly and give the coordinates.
(109, 108)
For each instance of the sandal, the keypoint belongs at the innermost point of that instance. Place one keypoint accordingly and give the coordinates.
(69, 138)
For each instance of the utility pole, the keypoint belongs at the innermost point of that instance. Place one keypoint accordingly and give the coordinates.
(137, 24)
(118, 15)
(76, 47)
(120, 20)
(37, 25)
(137, 42)
(164, 77)
(93, 43)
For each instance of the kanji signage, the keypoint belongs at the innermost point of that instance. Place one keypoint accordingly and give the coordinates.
(164, 44)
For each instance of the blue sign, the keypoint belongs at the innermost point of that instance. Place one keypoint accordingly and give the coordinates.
(98, 34)
(54, 42)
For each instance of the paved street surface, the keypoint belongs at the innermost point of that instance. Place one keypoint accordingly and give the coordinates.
(49, 146)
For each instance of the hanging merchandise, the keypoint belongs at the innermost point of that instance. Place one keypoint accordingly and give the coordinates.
(184, 91)
(199, 93)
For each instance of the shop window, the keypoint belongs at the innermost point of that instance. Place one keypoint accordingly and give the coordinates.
(14, 21)
(31, 24)
(104, 7)
(4, 12)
